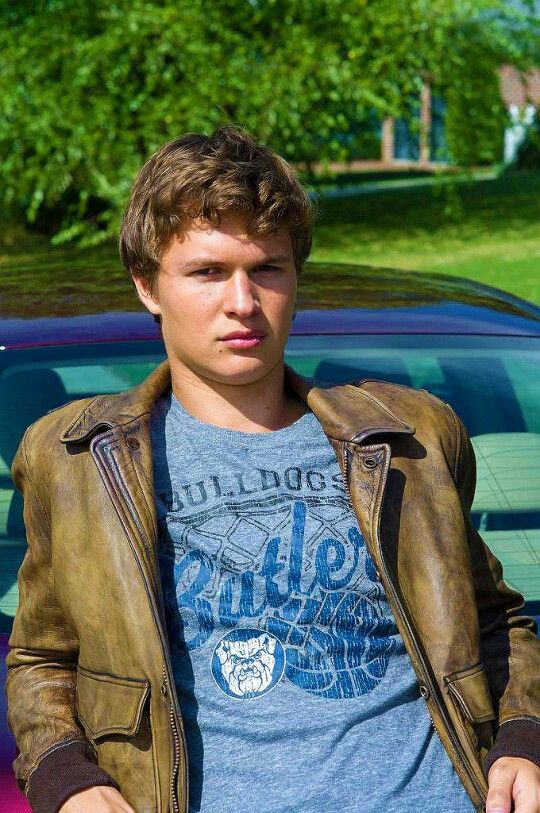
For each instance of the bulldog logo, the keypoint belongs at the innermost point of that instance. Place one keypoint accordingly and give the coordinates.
(247, 663)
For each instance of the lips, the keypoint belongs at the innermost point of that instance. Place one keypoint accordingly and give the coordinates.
(241, 339)
(244, 334)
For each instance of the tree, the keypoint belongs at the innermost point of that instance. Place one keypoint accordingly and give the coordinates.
(89, 90)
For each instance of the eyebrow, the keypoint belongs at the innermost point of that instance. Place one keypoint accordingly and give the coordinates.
(202, 262)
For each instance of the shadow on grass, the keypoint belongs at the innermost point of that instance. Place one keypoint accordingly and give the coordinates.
(502, 203)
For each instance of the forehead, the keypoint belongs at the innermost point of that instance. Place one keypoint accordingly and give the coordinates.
(228, 242)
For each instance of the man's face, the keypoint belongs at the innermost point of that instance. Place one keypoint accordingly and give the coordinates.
(226, 301)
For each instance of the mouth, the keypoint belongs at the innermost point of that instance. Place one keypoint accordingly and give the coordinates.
(243, 339)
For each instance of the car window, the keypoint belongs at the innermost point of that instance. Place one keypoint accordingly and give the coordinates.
(493, 383)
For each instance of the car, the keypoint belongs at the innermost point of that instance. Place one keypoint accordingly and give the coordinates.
(475, 347)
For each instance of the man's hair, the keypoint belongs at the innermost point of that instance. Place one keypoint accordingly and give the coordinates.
(204, 177)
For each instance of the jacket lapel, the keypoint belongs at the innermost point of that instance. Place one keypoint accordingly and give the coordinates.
(121, 409)
(346, 412)
(117, 427)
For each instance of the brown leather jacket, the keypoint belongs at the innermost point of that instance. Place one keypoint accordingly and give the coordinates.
(89, 673)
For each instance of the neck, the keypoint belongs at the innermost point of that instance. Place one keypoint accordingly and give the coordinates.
(259, 406)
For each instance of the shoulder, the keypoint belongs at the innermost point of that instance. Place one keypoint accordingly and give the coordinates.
(435, 422)
(56, 420)
(403, 400)
(40, 444)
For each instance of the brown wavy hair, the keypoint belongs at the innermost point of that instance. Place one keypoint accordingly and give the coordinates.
(202, 177)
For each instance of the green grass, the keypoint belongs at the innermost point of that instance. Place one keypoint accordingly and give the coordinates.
(494, 240)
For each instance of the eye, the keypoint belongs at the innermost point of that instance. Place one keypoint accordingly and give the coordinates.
(205, 272)
(267, 267)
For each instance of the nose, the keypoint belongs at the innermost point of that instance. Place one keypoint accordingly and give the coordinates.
(241, 297)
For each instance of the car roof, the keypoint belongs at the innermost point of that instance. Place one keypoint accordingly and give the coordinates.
(332, 299)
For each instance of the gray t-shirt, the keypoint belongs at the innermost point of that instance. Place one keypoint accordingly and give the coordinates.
(295, 687)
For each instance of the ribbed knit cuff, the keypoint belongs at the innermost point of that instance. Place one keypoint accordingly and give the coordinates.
(516, 738)
(65, 770)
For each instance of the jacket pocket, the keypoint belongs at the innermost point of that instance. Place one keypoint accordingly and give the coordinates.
(469, 692)
(107, 704)
(115, 714)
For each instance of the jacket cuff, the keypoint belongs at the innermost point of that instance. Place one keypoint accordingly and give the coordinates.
(516, 738)
(63, 771)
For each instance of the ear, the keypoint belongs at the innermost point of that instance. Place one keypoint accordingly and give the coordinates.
(150, 301)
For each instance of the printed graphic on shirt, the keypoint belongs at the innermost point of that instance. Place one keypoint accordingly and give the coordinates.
(288, 575)
(248, 663)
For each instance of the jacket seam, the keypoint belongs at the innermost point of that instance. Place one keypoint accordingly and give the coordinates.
(457, 442)
(522, 718)
(108, 677)
(381, 404)
(468, 671)
(359, 381)
(49, 751)
(30, 477)
(68, 663)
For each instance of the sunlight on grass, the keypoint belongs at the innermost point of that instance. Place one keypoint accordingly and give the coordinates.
(497, 242)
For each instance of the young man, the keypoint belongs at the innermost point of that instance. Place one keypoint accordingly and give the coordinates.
(243, 592)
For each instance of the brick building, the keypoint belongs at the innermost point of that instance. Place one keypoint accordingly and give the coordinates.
(521, 95)
(422, 144)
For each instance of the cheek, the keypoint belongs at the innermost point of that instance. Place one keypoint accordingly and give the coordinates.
(282, 306)
(191, 311)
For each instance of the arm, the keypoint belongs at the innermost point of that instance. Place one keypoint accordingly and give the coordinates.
(510, 648)
(55, 759)
(511, 657)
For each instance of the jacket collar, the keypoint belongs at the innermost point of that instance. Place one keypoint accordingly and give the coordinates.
(346, 412)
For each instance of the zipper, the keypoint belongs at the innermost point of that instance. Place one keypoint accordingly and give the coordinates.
(178, 739)
(347, 466)
(411, 636)
(176, 748)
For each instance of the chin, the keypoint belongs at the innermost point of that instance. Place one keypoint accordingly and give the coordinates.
(241, 371)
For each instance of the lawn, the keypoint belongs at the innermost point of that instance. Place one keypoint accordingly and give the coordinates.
(496, 240)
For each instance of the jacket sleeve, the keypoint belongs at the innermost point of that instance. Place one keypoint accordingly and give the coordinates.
(510, 648)
(55, 760)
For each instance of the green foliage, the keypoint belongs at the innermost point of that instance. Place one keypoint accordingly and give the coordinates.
(476, 115)
(89, 90)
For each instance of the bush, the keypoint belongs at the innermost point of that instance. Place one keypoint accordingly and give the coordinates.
(475, 107)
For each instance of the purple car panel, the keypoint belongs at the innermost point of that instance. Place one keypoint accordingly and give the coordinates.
(11, 798)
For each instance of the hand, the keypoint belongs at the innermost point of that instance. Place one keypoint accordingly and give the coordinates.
(98, 799)
(513, 780)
